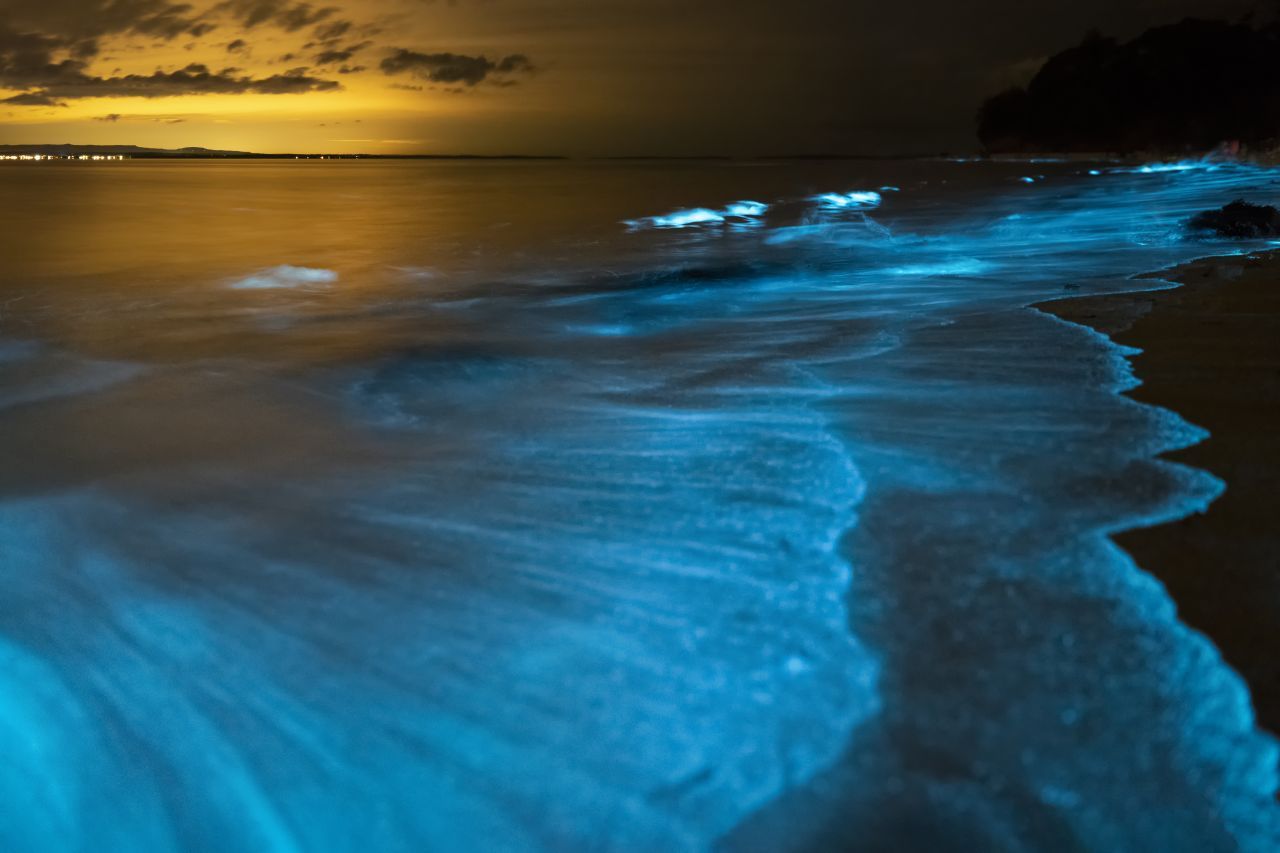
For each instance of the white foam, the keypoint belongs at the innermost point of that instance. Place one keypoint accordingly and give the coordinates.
(745, 209)
(849, 201)
(679, 219)
(285, 276)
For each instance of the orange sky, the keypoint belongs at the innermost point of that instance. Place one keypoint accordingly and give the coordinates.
(528, 76)
(366, 110)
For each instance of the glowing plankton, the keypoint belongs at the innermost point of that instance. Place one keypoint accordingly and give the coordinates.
(849, 201)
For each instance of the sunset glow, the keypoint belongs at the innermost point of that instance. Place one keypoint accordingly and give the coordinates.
(573, 77)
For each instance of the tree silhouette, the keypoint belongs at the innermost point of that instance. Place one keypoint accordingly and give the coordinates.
(1185, 87)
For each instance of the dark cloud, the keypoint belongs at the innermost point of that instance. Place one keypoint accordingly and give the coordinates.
(113, 118)
(45, 46)
(79, 21)
(335, 30)
(39, 63)
(33, 99)
(67, 80)
(27, 61)
(515, 63)
(331, 57)
(290, 17)
(26, 48)
(48, 50)
(76, 25)
(157, 18)
(452, 67)
(301, 15)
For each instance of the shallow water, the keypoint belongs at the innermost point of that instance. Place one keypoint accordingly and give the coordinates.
(405, 505)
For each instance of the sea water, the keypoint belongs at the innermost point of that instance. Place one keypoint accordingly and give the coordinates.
(598, 505)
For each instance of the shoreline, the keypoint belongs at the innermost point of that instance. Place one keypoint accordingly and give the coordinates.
(1210, 351)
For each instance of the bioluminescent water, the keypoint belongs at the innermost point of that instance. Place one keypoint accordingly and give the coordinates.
(602, 506)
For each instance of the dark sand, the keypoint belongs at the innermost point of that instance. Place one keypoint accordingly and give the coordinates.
(1211, 352)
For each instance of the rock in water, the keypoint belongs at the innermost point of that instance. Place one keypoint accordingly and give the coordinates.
(1240, 220)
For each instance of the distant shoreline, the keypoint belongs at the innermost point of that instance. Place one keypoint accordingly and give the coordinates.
(68, 151)
(30, 154)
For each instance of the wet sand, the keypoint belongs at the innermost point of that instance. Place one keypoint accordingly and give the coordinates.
(1211, 352)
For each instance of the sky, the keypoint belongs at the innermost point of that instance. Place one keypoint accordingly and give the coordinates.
(571, 77)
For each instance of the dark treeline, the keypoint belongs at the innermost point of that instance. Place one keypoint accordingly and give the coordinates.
(1186, 87)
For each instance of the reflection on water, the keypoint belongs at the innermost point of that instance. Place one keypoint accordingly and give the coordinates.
(395, 505)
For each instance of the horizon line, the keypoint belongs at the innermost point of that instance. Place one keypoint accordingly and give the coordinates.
(202, 153)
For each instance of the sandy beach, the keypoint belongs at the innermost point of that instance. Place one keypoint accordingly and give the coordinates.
(1211, 352)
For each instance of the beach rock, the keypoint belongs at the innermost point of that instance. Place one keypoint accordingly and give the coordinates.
(1239, 220)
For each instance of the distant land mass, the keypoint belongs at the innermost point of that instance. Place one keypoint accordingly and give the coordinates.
(197, 153)
(67, 150)
(1188, 87)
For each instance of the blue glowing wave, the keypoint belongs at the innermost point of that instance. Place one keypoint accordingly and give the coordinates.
(811, 516)
(543, 640)
(738, 210)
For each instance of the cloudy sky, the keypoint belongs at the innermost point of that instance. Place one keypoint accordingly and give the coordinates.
(578, 77)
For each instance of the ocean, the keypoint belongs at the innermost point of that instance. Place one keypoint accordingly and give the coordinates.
(599, 505)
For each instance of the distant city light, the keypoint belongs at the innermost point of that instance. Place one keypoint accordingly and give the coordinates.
(63, 157)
